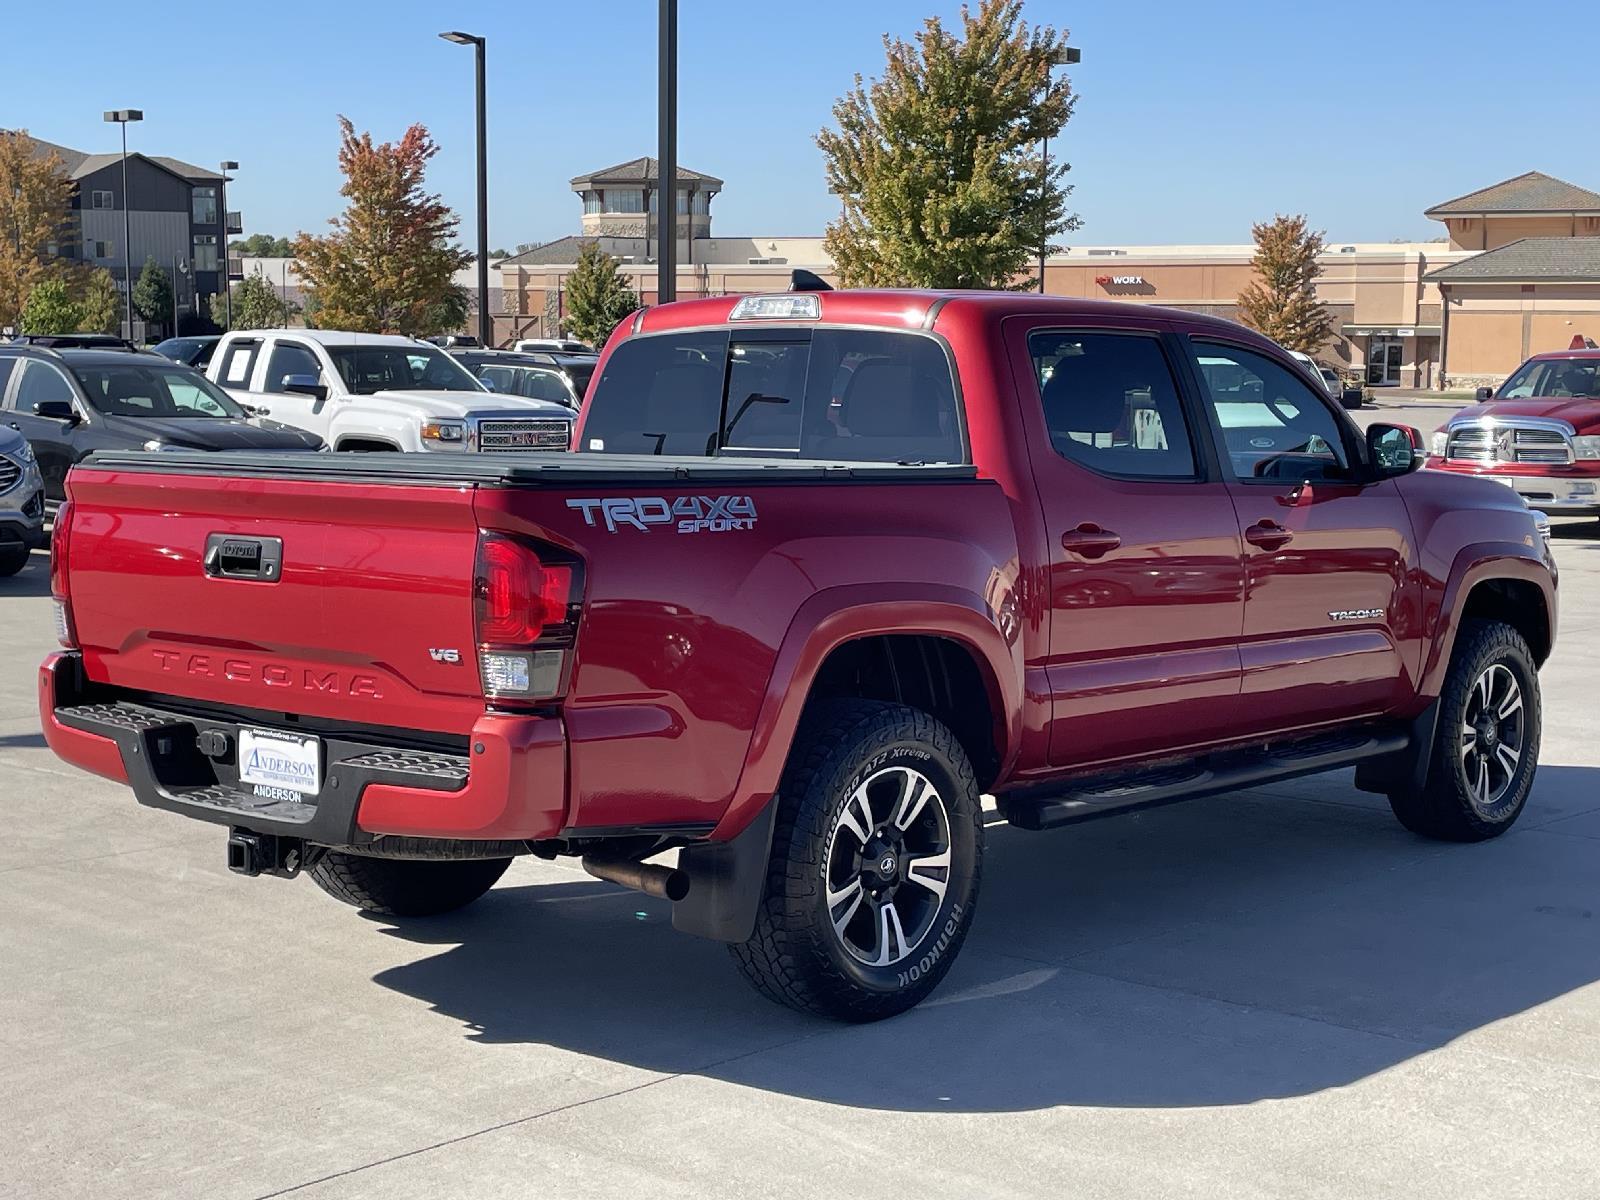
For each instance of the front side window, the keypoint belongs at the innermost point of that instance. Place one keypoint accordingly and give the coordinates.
(153, 391)
(842, 394)
(1272, 425)
(41, 382)
(286, 359)
(205, 252)
(1110, 403)
(205, 205)
(1577, 378)
(370, 369)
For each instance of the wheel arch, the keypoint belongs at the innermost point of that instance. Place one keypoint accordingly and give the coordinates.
(1498, 581)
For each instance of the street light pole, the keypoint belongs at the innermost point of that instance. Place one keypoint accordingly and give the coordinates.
(1065, 56)
(122, 116)
(667, 155)
(227, 165)
(485, 336)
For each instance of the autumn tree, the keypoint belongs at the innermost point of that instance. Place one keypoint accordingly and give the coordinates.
(387, 265)
(938, 162)
(99, 301)
(1282, 300)
(597, 296)
(35, 215)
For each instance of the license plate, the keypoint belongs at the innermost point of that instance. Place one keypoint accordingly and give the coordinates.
(279, 765)
(1511, 481)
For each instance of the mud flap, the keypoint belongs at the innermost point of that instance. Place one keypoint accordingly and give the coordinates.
(1406, 770)
(726, 881)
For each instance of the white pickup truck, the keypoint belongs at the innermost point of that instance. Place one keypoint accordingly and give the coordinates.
(368, 391)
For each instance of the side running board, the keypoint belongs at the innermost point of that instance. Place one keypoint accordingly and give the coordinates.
(1087, 797)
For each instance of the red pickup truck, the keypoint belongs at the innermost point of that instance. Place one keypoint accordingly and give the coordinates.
(1538, 433)
(824, 570)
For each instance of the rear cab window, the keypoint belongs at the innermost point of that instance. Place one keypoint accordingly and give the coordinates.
(854, 395)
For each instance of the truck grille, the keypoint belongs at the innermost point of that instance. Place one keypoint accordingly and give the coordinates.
(1508, 442)
(523, 434)
(10, 472)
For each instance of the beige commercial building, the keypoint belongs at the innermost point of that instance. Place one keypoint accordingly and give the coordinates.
(1517, 271)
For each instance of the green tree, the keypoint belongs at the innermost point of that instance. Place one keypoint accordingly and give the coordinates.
(100, 301)
(256, 305)
(35, 218)
(938, 163)
(597, 296)
(388, 265)
(1282, 300)
(50, 308)
(262, 245)
(152, 295)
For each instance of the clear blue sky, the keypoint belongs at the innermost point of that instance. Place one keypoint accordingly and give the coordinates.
(1194, 120)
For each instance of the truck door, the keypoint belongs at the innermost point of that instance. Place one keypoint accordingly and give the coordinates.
(1330, 626)
(1145, 583)
(284, 357)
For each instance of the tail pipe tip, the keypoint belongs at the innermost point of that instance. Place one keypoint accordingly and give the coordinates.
(664, 883)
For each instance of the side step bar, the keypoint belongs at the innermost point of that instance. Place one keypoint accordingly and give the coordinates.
(1087, 797)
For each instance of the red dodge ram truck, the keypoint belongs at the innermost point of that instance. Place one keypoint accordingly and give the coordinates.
(1538, 433)
(823, 571)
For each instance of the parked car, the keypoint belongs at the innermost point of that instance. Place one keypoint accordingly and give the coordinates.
(374, 392)
(563, 345)
(21, 500)
(68, 403)
(1328, 377)
(190, 351)
(531, 376)
(76, 341)
(452, 339)
(1538, 433)
(825, 570)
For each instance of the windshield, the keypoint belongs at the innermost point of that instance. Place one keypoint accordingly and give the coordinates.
(369, 369)
(154, 391)
(1555, 377)
(580, 374)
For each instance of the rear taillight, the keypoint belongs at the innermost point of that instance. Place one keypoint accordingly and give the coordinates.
(66, 632)
(526, 602)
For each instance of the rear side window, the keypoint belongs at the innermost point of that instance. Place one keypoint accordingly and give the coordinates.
(5, 373)
(236, 364)
(1110, 403)
(843, 394)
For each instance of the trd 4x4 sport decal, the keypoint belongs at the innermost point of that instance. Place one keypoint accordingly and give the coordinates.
(688, 514)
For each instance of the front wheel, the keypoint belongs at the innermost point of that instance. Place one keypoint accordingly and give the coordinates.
(875, 864)
(12, 560)
(1486, 747)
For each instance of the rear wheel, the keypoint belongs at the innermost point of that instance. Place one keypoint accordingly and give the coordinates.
(1486, 747)
(12, 560)
(406, 887)
(875, 864)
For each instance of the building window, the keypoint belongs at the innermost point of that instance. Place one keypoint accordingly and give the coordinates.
(100, 200)
(702, 204)
(205, 252)
(205, 205)
(591, 202)
(624, 200)
(100, 249)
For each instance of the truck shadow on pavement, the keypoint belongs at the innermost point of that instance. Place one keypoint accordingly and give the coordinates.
(1260, 945)
(32, 580)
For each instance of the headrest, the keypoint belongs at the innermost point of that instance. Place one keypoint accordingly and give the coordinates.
(1088, 393)
(889, 399)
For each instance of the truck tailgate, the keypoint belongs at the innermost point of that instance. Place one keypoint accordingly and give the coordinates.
(367, 620)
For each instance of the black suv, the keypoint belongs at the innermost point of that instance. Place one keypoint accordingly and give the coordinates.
(533, 375)
(69, 402)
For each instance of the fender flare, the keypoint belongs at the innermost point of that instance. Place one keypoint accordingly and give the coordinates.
(835, 616)
(367, 424)
(1474, 564)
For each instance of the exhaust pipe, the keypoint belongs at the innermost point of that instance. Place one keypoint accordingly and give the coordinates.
(664, 883)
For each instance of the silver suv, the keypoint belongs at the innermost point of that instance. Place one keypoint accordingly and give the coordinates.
(21, 502)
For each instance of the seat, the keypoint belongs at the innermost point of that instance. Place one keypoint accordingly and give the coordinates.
(891, 412)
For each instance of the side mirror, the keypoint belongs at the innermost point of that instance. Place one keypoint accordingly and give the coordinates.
(1394, 450)
(1482, 394)
(305, 385)
(56, 410)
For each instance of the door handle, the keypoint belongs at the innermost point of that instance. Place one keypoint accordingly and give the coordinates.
(1269, 535)
(1090, 541)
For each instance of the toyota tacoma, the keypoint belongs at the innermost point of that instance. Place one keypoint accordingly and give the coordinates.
(826, 571)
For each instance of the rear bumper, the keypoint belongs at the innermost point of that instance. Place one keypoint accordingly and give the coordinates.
(509, 785)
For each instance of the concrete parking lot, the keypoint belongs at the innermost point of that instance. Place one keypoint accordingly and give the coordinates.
(1275, 993)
